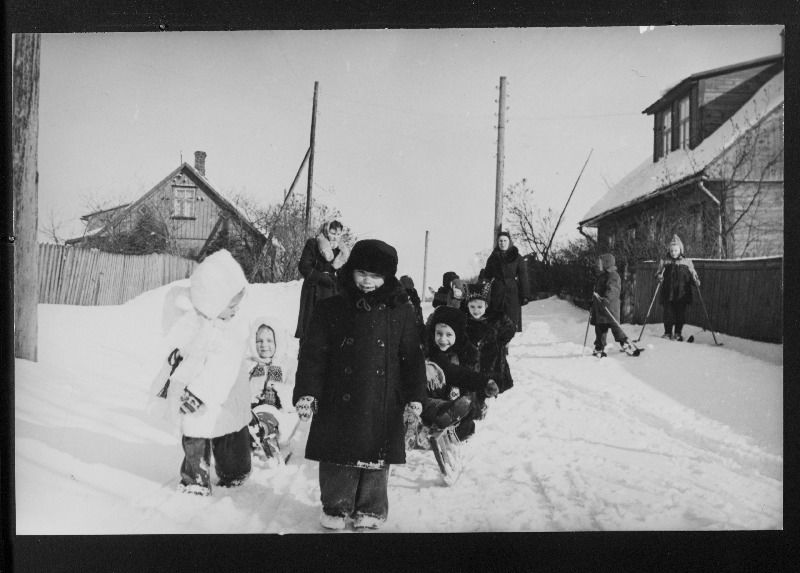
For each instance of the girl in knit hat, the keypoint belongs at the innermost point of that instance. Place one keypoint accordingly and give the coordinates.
(203, 395)
(604, 314)
(676, 274)
(490, 333)
(360, 364)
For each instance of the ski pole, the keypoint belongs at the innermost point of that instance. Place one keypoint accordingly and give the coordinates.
(637, 351)
(586, 336)
(648, 312)
(708, 320)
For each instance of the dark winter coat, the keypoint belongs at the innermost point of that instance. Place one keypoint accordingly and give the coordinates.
(413, 297)
(608, 287)
(678, 277)
(318, 266)
(510, 289)
(461, 370)
(361, 359)
(444, 294)
(490, 334)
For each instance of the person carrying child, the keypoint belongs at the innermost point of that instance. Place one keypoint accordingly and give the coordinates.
(203, 395)
(450, 350)
(451, 293)
(490, 333)
(360, 364)
(676, 274)
(604, 314)
(271, 383)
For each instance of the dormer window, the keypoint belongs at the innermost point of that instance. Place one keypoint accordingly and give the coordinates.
(666, 132)
(183, 199)
(683, 123)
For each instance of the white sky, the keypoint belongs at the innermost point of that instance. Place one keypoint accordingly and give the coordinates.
(406, 138)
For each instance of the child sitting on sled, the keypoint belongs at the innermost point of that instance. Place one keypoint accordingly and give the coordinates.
(271, 383)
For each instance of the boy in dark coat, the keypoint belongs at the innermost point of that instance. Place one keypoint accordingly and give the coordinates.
(359, 365)
(450, 350)
(415, 301)
(490, 333)
(605, 305)
(322, 256)
(508, 272)
(676, 274)
(451, 293)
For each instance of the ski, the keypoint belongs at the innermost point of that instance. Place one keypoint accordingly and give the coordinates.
(447, 451)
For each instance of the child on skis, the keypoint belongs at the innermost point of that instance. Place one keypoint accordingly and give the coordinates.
(604, 314)
(490, 333)
(270, 381)
(676, 274)
(360, 364)
(203, 394)
(450, 350)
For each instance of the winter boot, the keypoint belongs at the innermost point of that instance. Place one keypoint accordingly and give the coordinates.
(332, 521)
(367, 522)
(599, 352)
(667, 335)
(678, 337)
(452, 412)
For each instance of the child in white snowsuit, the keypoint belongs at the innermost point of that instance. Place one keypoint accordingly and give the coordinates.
(676, 274)
(271, 383)
(490, 333)
(360, 364)
(204, 396)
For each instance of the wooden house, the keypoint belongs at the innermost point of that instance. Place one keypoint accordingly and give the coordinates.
(184, 214)
(714, 174)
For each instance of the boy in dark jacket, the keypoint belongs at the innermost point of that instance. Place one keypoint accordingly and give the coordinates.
(605, 306)
(450, 350)
(490, 333)
(359, 365)
(676, 274)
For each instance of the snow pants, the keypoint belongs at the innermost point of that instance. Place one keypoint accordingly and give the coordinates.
(600, 331)
(674, 315)
(352, 491)
(231, 459)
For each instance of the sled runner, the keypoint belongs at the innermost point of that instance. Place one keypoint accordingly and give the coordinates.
(447, 451)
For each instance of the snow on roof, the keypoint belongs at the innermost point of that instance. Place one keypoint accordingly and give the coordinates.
(649, 178)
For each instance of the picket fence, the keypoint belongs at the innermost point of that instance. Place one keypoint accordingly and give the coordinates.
(70, 275)
(743, 297)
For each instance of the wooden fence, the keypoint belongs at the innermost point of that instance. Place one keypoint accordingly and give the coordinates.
(70, 275)
(744, 297)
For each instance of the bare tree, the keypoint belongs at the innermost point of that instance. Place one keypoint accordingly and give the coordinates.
(529, 224)
(53, 227)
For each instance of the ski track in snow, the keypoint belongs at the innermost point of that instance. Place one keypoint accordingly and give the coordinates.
(579, 443)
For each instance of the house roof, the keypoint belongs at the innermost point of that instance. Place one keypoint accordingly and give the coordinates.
(672, 92)
(99, 211)
(209, 189)
(679, 167)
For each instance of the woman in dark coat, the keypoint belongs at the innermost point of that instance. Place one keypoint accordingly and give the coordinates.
(322, 256)
(360, 363)
(509, 275)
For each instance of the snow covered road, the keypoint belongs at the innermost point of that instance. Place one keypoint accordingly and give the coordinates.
(684, 437)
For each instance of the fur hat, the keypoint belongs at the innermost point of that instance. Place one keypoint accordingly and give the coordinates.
(407, 282)
(608, 261)
(452, 317)
(479, 291)
(676, 240)
(373, 256)
(215, 282)
(448, 278)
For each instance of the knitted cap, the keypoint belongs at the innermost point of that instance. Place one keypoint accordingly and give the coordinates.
(452, 317)
(479, 291)
(281, 338)
(676, 240)
(373, 256)
(608, 260)
(215, 282)
(407, 282)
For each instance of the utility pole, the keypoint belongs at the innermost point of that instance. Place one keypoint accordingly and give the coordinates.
(425, 270)
(25, 158)
(311, 157)
(501, 132)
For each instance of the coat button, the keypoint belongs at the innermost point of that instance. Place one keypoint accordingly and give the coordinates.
(348, 341)
(381, 306)
(380, 371)
(346, 397)
(348, 370)
(381, 342)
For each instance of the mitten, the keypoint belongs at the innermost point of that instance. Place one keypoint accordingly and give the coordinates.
(455, 392)
(306, 407)
(491, 389)
(190, 403)
(326, 280)
(415, 407)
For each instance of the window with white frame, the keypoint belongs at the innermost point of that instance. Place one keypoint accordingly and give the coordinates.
(183, 201)
(683, 123)
(666, 132)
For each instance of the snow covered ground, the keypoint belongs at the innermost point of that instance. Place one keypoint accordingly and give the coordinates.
(684, 437)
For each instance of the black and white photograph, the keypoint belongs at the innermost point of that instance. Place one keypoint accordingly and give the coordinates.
(450, 280)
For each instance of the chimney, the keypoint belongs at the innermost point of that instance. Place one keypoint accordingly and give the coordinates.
(200, 162)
